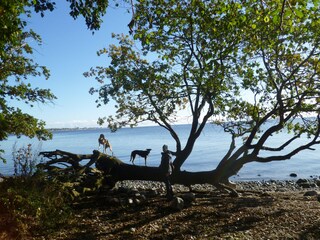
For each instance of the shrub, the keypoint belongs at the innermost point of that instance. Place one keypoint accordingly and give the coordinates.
(32, 204)
(25, 160)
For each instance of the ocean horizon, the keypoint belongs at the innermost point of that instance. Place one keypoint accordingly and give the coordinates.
(209, 149)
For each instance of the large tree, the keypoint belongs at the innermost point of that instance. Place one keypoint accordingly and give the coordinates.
(17, 67)
(239, 63)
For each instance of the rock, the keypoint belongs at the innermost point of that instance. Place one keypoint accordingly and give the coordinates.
(177, 203)
(305, 183)
(114, 200)
(153, 193)
(134, 191)
(188, 197)
(137, 201)
(310, 193)
(143, 198)
(300, 181)
(293, 175)
(124, 190)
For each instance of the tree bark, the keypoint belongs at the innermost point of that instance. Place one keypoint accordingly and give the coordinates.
(116, 170)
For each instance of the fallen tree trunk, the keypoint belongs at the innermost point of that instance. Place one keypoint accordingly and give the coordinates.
(115, 170)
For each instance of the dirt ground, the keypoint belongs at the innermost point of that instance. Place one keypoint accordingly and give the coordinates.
(213, 215)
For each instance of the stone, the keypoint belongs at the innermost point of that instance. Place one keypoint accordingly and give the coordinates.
(114, 200)
(188, 197)
(305, 183)
(143, 198)
(153, 193)
(310, 194)
(293, 175)
(177, 203)
(137, 201)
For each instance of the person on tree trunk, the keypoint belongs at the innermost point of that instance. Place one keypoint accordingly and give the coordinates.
(166, 167)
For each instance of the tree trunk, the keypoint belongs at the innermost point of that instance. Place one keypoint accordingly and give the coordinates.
(125, 171)
(116, 170)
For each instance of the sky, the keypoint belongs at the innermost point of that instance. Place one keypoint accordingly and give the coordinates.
(68, 50)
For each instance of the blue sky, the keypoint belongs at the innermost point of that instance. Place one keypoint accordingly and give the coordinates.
(68, 50)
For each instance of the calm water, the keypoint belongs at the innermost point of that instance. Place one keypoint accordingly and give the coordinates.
(209, 149)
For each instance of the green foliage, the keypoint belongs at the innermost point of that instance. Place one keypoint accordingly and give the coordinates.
(92, 11)
(280, 60)
(191, 48)
(33, 204)
(17, 67)
(242, 64)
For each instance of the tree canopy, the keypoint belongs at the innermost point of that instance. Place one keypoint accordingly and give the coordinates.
(251, 67)
(17, 67)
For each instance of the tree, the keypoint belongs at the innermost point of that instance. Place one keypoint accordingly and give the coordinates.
(17, 67)
(251, 67)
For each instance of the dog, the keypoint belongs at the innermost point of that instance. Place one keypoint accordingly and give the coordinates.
(141, 153)
(105, 144)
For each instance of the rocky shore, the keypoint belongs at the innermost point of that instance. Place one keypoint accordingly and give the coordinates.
(268, 185)
(137, 192)
(138, 210)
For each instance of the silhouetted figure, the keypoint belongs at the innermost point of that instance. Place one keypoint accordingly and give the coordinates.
(166, 167)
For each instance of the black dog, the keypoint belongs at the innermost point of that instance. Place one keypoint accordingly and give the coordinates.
(141, 153)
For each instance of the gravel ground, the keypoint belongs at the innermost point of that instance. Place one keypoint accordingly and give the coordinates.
(138, 210)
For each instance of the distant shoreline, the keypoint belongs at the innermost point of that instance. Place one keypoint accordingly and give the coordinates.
(75, 128)
(106, 128)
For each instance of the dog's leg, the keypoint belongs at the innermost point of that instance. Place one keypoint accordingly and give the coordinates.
(111, 151)
(133, 157)
(104, 148)
(110, 147)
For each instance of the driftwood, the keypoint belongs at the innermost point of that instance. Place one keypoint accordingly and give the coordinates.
(111, 169)
(80, 172)
(62, 163)
(66, 162)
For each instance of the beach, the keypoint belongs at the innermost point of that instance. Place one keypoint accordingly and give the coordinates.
(138, 210)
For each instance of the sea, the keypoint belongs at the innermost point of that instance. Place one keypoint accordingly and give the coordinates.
(211, 146)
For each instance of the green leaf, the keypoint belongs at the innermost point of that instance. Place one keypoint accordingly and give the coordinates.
(299, 13)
